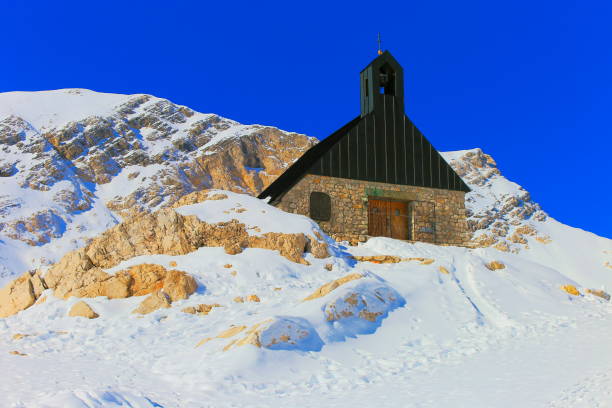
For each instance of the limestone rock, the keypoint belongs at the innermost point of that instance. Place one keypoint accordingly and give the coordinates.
(291, 246)
(146, 278)
(517, 238)
(599, 293)
(571, 289)
(233, 248)
(495, 265)
(38, 228)
(493, 223)
(328, 287)
(232, 331)
(249, 298)
(543, 239)
(281, 333)
(82, 309)
(20, 294)
(178, 285)
(153, 302)
(483, 241)
(163, 232)
(201, 309)
(137, 280)
(502, 246)
(317, 248)
(385, 259)
(198, 197)
(378, 259)
(361, 308)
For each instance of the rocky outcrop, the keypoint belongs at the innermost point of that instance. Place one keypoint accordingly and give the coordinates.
(81, 273)
(188, 151)
(599, 293)
(198, 197)
(232, 331)
(291, 246)
(249, 298)
(495, 265)
(368, 301)
(201, 309)
(170, 233)
(279, 333)
(138, 280)
(20, 294)
(154, 301)
(571, 289)
(507, 219)
(328, 287)
(82, 309)
(178, 285)
(77, 276)
(37, 229)
(385, 259)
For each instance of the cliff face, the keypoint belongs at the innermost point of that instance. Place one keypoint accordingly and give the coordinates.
(500, 213)
(75, 162)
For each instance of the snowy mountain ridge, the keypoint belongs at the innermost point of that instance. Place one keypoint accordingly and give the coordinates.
(216, 299)
(75, 162)
(500, 212)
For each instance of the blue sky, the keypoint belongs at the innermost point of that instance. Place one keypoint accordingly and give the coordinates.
(529, 82)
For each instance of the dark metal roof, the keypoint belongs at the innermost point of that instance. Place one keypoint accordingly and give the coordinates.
(381, 145)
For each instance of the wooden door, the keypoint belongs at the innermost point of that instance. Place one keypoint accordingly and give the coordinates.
(398, 219)
(387, 218)
(377, 218)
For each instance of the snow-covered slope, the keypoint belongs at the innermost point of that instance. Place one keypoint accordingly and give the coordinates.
(281, 315)
(503, 216)
(403, 325)
(74, 162)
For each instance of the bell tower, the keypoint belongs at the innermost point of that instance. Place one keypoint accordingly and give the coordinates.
(382, 82)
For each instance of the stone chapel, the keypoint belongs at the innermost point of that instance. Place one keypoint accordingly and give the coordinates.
(377, 175)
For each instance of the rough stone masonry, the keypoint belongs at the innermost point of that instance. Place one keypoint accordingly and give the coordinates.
(439, 214)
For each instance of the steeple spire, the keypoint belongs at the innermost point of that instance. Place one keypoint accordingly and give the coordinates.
(379, 48)
(382, 82)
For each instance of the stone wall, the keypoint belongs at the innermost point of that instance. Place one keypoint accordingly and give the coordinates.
(439, 215)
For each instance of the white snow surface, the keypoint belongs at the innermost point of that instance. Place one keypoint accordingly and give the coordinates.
(470, 338)
(55, 108)
(232, 208)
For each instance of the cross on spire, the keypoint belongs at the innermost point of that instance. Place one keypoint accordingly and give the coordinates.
(379, 49)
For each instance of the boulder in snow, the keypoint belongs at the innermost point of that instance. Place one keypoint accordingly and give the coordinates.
(20, 294)
(361, 308)
(153, 302)
(82, 309)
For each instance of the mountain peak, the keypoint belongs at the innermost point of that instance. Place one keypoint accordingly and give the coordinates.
(75, 161)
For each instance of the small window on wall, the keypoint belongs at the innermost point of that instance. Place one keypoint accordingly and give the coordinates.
(320, 206)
